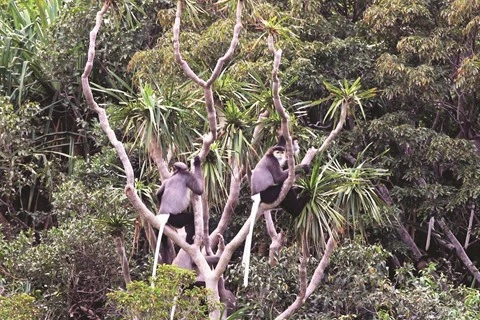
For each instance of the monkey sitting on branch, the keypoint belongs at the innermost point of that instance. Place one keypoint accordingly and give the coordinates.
(266, 185)
(174, 196)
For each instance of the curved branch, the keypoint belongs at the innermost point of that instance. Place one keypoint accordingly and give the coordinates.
(87, 91)
(176, 46)
(314, 282)
(233, 44)
(156, 153)
(130, 190)
(230, 206)
(287, 184)
(207, 85)
(461, 254)
(312, 152)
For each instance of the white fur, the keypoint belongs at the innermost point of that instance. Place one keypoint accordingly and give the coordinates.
(248, 240)
(163, 218)
(280, 156)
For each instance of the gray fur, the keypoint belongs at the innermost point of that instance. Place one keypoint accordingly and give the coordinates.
(267, 172)
(174, 194)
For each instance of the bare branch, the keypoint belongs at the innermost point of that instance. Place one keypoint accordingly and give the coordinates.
(156, 153)
(277, 238)
(259, 128)
(408, 240)
(233, 44)
(461, 254)
(287, 184)
(120, 247)
(236, 242)
(312, 152)
(87, 91)
(176, 46)
(230, 206)
(314, 282)
(470, 224)
(130, 190)
(207, 85)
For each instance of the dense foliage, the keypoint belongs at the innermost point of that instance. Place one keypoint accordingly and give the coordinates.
(62, 206)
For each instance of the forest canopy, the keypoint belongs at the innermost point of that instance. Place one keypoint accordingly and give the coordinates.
(371, 102)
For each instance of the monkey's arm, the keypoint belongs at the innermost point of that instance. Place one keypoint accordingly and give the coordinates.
(195, 179)
(302, 169)
(278, 174)
(159, 193)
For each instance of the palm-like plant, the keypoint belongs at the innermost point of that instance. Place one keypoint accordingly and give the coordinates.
(341, 197)
(164, 112)
(22, 27)
(351, 94)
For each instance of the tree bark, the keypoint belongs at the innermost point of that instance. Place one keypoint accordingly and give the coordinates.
(314, 282)
(461, 254)
(277, 238)
(120, 247)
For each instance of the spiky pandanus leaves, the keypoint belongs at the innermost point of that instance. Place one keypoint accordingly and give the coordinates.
(320, 216)
(341, 197)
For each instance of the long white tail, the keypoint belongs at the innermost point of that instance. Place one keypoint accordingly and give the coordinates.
(431, 226)
(248, 240)
(163, 218)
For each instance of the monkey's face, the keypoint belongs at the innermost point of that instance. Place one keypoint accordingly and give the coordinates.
(280, 156)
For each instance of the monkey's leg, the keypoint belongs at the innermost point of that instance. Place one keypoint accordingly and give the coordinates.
(270, 194)
(187, 220)
(163, 218)
(248, 240)
(293, 204)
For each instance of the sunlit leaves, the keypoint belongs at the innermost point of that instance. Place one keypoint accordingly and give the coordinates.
(387, 14)
(401, 78)
(468, 75)
(347, 93)
(19, 306)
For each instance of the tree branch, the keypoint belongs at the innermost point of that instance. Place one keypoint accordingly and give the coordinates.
(277, 238)
(459, 250)
(287, 184)
(156, 153)
(130, 190)
(229, 209)
(312, 152)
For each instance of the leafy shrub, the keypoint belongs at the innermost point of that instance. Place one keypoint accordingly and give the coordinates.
(355, 286)
(18, 307)
(173, 287)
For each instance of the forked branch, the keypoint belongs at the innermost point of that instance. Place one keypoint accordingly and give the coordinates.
(130, 190)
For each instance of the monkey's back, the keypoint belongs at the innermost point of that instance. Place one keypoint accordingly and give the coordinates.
(176, 196)
(262, 177)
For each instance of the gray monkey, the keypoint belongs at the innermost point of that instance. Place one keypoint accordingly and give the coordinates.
(174, 197)
(266, 184)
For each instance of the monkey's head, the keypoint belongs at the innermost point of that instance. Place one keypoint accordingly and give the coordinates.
(279, 153)
(296, 146)
(179, 166)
